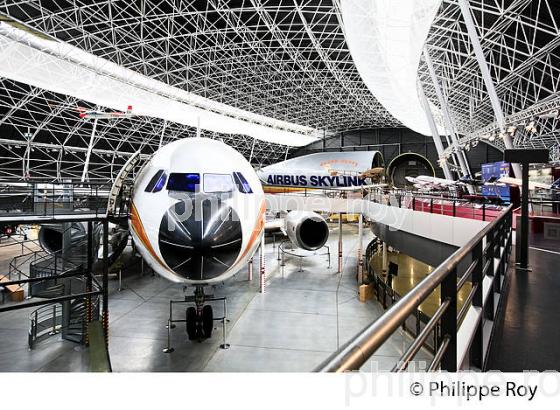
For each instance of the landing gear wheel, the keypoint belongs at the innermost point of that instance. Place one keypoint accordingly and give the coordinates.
(191, 323)
(207, 320)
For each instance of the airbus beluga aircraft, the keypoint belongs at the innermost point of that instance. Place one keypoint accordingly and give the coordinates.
(352, 170)
(197, 217)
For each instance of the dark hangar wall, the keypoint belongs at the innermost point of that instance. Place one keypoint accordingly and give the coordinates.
(389, 140)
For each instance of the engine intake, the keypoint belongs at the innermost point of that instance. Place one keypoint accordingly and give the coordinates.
(51, 240)
(307, 230)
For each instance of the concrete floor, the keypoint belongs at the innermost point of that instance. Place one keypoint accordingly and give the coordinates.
(298, 322)
(526, 333)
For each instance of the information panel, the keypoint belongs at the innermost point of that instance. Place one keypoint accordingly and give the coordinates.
(491, 172)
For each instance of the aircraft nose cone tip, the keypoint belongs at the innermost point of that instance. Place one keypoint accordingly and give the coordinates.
(202, 244)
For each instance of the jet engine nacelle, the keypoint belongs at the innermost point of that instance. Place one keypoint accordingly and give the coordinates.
(51, 235)
(306, 230)
(51, 240)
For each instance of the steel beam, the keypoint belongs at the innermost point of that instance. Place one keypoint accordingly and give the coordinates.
(252, 150)
(162, 133)
(88, 153)
(435, 134)
(446, 115)
(488, 82)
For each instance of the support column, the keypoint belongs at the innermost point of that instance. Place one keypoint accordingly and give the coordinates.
(448, 326)
(477, 351)
(27, 155)
(106, 281)
(89, 278)
(360, 249)
(525, 157)
(524, 248)
(339, 242)
(384, 260)
(65, 254)
(66, 246)
(446, 115)
(250, 272)
(262, 271)
(488, 82)
(435, 134)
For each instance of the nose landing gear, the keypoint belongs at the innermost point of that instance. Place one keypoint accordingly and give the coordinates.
(200, 319)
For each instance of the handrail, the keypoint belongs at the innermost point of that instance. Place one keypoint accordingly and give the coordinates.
(422, 337)
(359, 349)
(38, 256)
(35, 198)
(26, 305)
(439, 354)
(48, 320)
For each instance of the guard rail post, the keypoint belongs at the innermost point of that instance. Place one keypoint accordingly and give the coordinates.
(449, 321)
(476, 352)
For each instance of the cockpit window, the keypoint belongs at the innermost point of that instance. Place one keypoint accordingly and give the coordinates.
(160, 182)
(153, 181)
(242, 183)
(183, 182)
(218, 183)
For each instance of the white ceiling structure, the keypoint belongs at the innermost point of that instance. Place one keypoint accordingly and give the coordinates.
(386, 48)
(285, 65)
(64, 69)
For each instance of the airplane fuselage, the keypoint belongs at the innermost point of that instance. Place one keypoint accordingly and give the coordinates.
(197, 212)
(282, 178)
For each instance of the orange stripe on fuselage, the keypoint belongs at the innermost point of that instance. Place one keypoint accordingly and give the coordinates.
(278, 189)
(259, 226)
(138, 228)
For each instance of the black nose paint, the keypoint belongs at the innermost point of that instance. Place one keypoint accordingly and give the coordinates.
(203, 242)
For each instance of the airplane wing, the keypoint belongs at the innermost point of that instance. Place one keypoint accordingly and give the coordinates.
(273, 224)
(532, 185)
(358, 188)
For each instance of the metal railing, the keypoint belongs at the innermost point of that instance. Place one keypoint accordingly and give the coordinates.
(41, 264)
(547, 208)
(49, 320)
(462, 334)
(438, 204)
(25, 244)
(47, 198)
(44, 322)
(387, 297)
(282, 253)
(19, 265)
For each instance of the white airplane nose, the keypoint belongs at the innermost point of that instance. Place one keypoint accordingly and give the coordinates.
(200, 238)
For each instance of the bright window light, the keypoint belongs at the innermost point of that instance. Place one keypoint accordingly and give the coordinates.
(218, 183)
(68, 70)
(386, 38)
